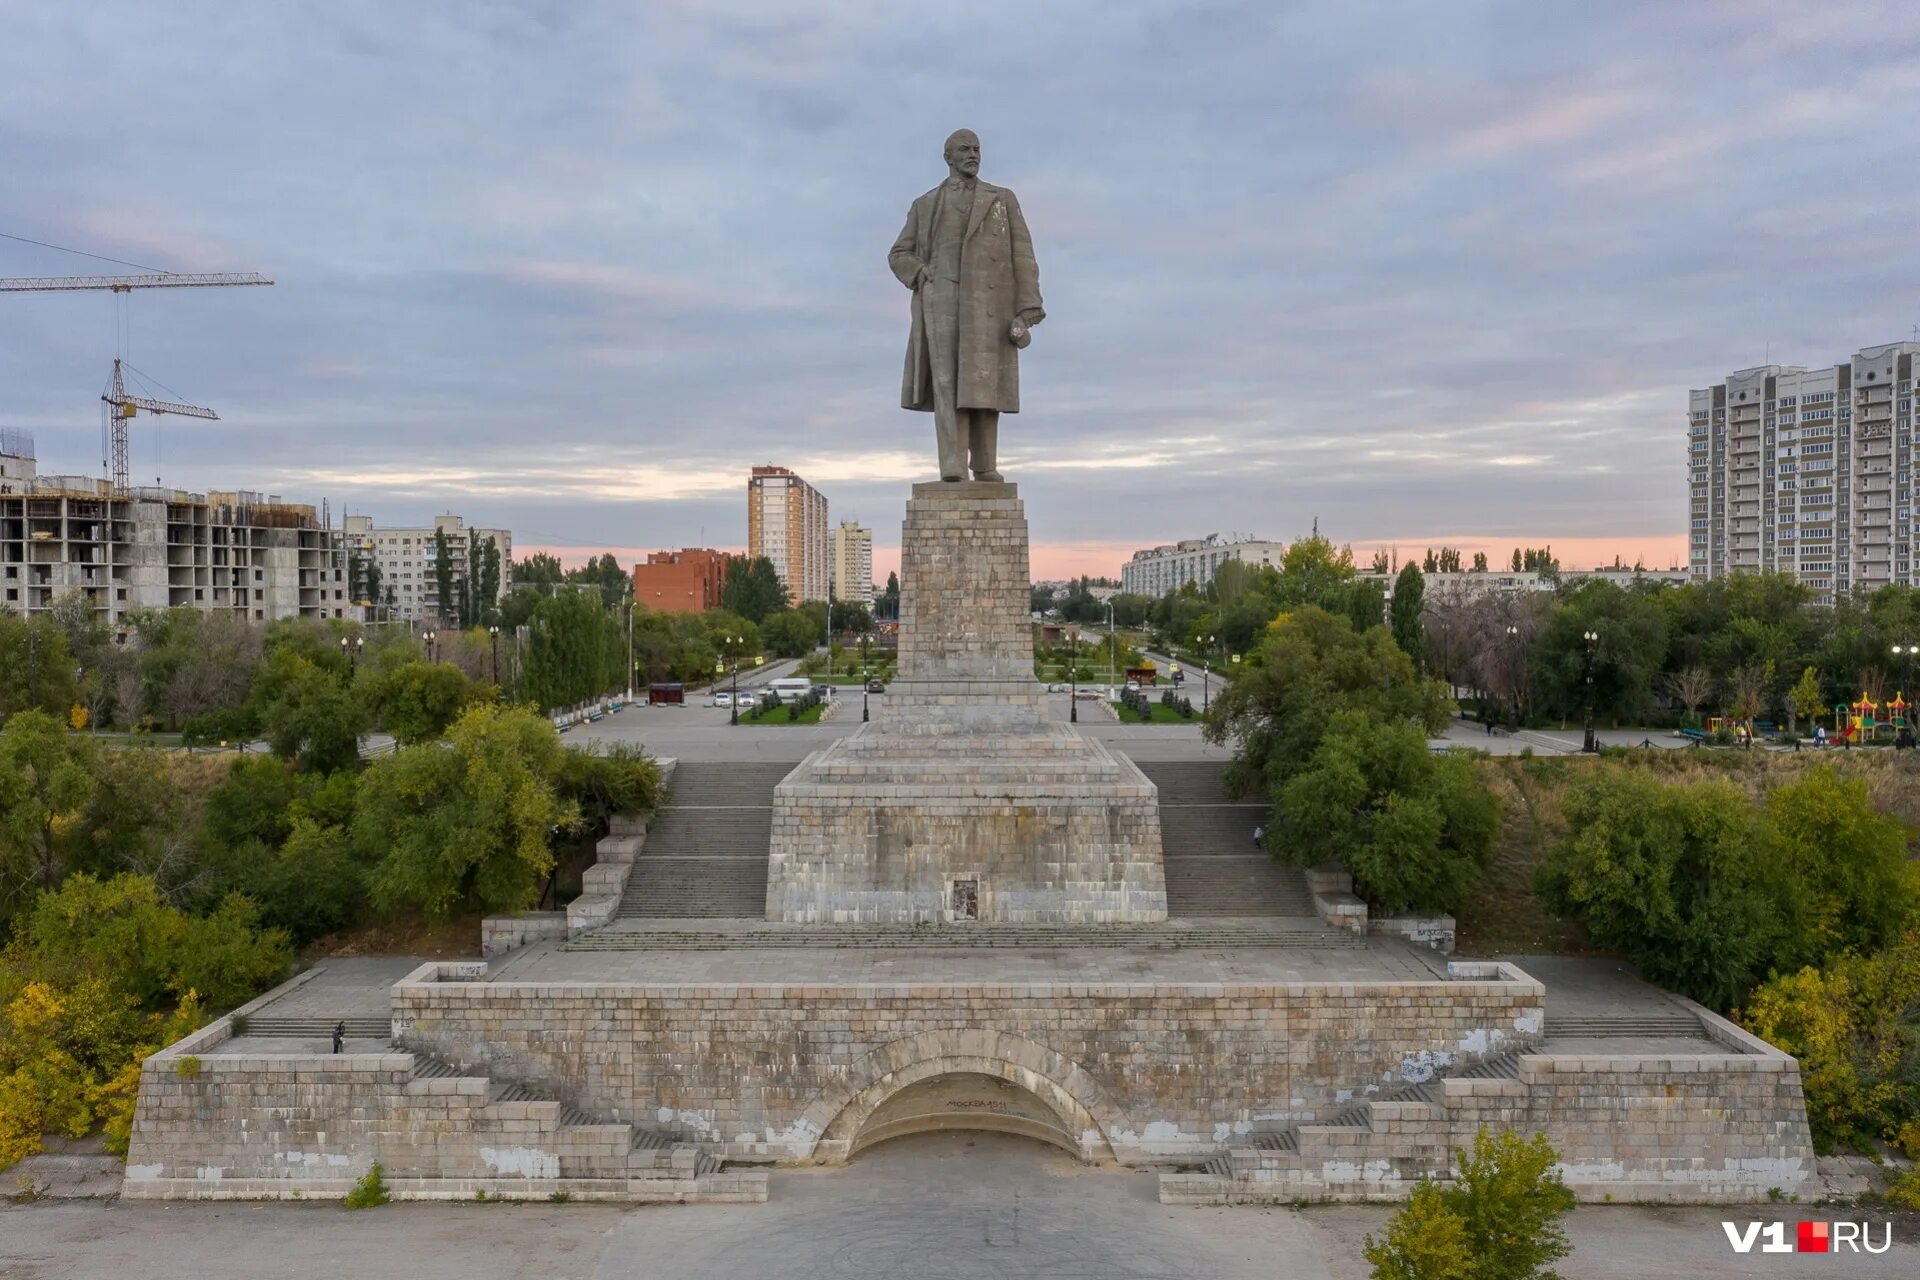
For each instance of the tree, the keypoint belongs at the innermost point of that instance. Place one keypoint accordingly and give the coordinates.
(888, 603)
(36, 666)
(1632, 626)
(46, 779)
(1690, 687)
(1308, 667)
(415, 702)
(1852, 885)
(790, 634)
(753, 588)
(1409, 590)
(1426, 1240)
(541, 571)
(1415, 830)
(309, 715)
(464, 826)
(1039, 598)
(1381, 565)
(576, 650)
(1804, 700)
(1498, 1220)
(1479, 562)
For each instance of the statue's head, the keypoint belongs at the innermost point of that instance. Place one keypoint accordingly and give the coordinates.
(963, 152)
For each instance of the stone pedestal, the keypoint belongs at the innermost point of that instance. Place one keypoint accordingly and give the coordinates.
(962, 799)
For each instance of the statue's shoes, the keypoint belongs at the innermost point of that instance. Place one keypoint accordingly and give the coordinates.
(951, 479)
(989, 477)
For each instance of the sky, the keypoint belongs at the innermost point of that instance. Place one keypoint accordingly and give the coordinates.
(1425, 274)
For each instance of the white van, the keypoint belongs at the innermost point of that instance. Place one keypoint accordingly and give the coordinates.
(792, 688)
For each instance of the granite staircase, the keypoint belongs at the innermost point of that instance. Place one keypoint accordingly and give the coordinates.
(617, 1158)
(733, 935)
(1206, 838)
(705, 856)
(319, 1026)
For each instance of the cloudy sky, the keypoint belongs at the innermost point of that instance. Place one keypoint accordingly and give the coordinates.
(1425, 272)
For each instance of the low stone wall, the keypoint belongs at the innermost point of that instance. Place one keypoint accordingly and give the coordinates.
(1144, 1071)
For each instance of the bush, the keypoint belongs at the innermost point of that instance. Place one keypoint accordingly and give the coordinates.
(1413, 828)
(370, 1191)
(1855, 1026)
(601, 781)
(1499, 1220)
(1707, 892)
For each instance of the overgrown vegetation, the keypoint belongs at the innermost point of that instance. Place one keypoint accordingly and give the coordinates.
(1499, 1219)
(370, 1191)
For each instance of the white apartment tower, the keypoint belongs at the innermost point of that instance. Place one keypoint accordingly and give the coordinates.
(787, 523)
(407, 566)
(1154, 571)
(1808, 472)
(852, 579)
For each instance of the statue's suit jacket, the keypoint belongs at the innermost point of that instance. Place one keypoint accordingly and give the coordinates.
(998, 280)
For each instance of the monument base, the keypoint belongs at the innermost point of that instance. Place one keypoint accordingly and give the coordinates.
(1038, 827)
(963, 800)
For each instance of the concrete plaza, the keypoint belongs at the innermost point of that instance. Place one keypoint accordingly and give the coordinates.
(956, 1206)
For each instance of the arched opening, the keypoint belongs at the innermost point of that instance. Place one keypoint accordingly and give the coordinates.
(968, 1100)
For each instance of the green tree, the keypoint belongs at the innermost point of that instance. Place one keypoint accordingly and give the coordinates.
(309, 715)
(1804, 700)
(1409, 594)
(540, 571)
(443, 576)
(790, 634)
(1853, 886)
(464, 826)
(415, 702)
(753, 588)
(36, 666)
(1425, 1240)
(1499, 1219)
(46, 780)
(1308, 667)
(576, 650)
(1414, 829)
(887, 605)
(1632, 626)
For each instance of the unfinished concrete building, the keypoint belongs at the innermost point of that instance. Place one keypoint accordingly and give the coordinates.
(156, 548)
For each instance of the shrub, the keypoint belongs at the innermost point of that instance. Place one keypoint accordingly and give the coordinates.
(602, 781)
(1499, 1220)
(187, 1068)
(370, 1191)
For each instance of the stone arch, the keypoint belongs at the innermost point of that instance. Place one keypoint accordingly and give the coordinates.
(1085, 1112)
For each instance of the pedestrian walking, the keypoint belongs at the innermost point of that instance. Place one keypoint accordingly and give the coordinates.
(1259, 837)
(339, 1035)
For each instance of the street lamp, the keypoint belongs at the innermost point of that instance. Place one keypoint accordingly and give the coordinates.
(1206, 673)
(866, 646)
(493, 637)
(1513, 672)
(428, 637)
(1113, 665)
(350, 650)
(1073, 678)
(1592, 638)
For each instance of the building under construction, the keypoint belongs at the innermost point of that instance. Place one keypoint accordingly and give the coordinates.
(157, 548)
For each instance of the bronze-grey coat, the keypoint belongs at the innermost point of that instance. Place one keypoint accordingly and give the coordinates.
(998, 280)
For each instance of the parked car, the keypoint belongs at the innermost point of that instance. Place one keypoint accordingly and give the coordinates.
(1058, 687)
(1133, 686)
(875, 686)
(722, 699)
(748, 698)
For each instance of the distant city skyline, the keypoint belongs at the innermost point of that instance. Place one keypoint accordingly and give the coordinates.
(1435, 276)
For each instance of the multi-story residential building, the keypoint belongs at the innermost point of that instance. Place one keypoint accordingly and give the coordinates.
(787, 523)
(1807, 471)
(689, 580)
(1464, 586)
(1155, 571)
(851, 578)
(158, 548)
(406, 567)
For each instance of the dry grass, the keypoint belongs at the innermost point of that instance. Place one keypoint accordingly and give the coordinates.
(457, 939)
(1502, 915)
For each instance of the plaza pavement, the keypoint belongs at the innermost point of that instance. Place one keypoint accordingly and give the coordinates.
(952, 1206)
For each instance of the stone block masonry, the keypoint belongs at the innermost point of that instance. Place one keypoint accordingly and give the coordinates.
(962, 800)
(1142, 1071)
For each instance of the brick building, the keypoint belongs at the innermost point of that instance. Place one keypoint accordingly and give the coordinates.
(689, 580)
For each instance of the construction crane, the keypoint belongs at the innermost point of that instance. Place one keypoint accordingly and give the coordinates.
(120, 406)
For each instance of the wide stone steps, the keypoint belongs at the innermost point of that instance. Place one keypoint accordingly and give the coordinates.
(690, 936)
(1206, 839)
(306, 1027)
(706, 854)
(1358, 1114)
(1677, 1022)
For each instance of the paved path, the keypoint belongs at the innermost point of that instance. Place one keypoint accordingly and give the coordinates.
(959, 1206)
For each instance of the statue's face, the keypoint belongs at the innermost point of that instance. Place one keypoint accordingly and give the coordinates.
(963, 153)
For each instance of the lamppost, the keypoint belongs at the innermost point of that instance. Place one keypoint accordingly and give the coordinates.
(866, 679)
(428, 637)
(350, 650)
(1592, 638)
(1206, 673)
(1113, 665)
(1513, 672)
(493, 638)
(1904, 655)
(1073, 678)
(730, 642)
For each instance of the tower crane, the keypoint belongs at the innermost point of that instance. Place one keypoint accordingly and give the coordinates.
(121, 407)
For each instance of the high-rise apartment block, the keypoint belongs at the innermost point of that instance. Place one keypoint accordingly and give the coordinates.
(852, 576)
(156, 548)
(787, 523)
(689, 580)
(1807, 471)
(405, 577)
(1155, 571)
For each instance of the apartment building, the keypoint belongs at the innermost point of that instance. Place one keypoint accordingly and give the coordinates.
(1154, 571)
(852, 564)
(405, 566)
(787, 523)
(1806, 471)
(689, 580)
(157, 548)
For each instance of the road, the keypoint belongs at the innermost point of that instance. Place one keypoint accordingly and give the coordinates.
(953, 1206)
